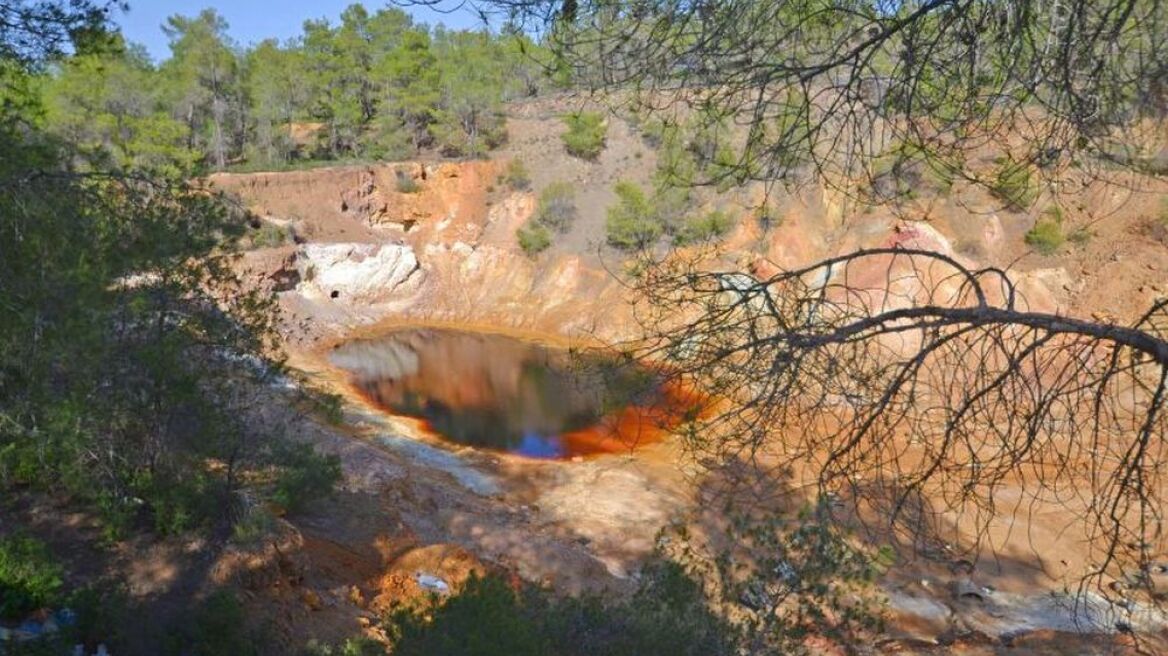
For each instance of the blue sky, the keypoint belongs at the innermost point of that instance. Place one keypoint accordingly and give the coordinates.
(252, 21)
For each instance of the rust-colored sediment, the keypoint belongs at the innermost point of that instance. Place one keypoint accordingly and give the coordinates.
(634, 426)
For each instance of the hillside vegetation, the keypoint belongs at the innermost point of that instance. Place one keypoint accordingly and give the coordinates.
(376, 85)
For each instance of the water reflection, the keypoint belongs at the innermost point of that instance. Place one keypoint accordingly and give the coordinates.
(495, 392)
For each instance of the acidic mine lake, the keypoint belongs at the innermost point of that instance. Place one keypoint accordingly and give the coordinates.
(504, 394)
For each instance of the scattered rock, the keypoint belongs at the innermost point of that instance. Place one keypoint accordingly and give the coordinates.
(964, 589)
(311, 599)
(365, 201)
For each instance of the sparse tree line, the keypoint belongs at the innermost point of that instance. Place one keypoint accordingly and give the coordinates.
(375, 85)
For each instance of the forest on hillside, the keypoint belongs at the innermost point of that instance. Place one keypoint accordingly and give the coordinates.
(375, 85)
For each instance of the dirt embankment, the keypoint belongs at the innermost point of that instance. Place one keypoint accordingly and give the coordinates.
(436, 240)
(439, 248)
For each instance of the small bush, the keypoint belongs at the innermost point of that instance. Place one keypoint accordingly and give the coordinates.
(29, 577)
(656, 132)
(769, 217)
(704, 228)
(406, 183)
(941, 175)
(1155, 225)
(179, 504)
(484, 620)
(304, 475)
(175, 501)
(534, 238)
(586, 135)
(906, 166)
(517, 176)
(359, 646)
(270, 235)
(557, 207)
(103, 615)
(253, 527)
(556, 212)
(632, 223)
(1046, 236)
(1013, 185)
(329, 406)
(218, 627)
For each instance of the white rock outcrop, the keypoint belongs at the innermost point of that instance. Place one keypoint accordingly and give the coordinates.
(358, 273)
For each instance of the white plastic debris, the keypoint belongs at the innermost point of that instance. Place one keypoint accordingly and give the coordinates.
(432, 583)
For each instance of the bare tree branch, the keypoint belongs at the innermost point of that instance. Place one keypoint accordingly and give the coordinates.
(904, 379)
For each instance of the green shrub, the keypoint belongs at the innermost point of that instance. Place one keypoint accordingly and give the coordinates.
(406, 184)
(941, 176)
(102, 615)
(329, 406)
(667, 615)
(180, 503)
(1014, 186)
(218, 627)
(708, 227)
(29, 577)
(586, 135)
(655, 132)
(1046, 236)
(769, 217)
(174, 499)
(484, 620)
(557, 207)
(724, 168)
(304, 475)
(807, 577)
(270, 235)
(904, 167)
(534, 238)
(517, 176)
(556, 212)
(358, 646)
(632, 223)
(255, 525)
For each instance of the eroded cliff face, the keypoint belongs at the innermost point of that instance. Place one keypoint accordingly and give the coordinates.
(365, 203)
(436, 242)
(442, 249)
